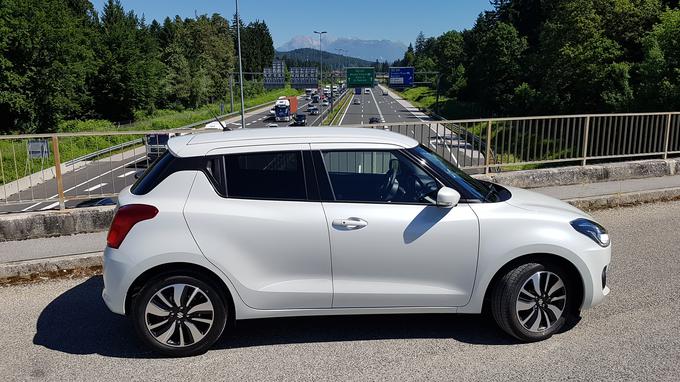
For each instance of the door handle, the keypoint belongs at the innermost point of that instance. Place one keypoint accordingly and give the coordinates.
(350, 223)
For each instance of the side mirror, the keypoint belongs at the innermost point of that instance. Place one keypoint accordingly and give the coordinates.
(447, 197)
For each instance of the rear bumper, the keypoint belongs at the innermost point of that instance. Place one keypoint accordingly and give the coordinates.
(115, 288)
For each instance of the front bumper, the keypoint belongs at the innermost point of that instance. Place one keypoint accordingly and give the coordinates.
(596, 259)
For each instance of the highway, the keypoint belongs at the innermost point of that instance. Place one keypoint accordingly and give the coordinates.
(109, 175)
(61, 330)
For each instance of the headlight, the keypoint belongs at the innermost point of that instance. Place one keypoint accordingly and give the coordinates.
(592, 230)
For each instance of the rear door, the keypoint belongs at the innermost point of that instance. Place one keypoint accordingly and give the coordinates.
(263, 229)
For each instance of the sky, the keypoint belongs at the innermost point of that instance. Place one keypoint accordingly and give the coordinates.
(396, 20)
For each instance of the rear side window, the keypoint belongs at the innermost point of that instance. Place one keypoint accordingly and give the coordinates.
(154, 174)
(266, 175)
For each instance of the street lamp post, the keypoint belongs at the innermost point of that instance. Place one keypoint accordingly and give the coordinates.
(240, 65)
(321, 67)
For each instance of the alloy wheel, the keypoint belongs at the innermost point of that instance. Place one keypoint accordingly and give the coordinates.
(179, 315)
(541, 301)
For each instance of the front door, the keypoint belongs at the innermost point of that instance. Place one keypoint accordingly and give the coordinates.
(390, 245)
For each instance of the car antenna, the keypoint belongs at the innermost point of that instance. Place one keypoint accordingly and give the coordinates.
(224, 127)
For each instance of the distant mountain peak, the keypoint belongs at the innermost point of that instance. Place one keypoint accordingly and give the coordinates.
(383, 50)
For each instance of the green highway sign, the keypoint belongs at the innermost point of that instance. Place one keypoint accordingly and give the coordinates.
(360, 77)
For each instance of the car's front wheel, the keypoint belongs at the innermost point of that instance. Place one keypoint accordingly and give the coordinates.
(179, 315)
(532, 301)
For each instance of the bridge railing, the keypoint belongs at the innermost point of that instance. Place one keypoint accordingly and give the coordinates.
(43, 171)
(528, 142)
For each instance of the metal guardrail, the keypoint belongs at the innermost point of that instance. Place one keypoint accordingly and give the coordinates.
(104, 151)
(64, 177)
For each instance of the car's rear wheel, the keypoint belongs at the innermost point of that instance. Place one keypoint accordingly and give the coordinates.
(179, 315)
(532, 302)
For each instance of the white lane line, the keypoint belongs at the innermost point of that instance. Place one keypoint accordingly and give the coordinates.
(346, 108)
(50, 206)
(29, 207)
(96, 177)
(100, 185)
(382, 118)
(126, 174)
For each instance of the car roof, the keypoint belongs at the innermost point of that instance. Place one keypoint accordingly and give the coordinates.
(201, 144)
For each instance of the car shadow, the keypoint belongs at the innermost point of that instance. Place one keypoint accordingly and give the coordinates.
(78, 322)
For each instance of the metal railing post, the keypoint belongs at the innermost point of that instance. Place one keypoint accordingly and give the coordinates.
(666, 135)
(487, 161)
(57, 172)
(585, 141)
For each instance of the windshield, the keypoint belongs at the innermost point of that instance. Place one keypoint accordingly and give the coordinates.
(476, 188)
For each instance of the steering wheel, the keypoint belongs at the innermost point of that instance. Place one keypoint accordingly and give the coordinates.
(389, 188)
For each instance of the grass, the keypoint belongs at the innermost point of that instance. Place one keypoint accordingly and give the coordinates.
(15, 164)
(346, 99)
(425, 99)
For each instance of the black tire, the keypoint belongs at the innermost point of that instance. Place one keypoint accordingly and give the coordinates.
(181, 316)
(505, 300)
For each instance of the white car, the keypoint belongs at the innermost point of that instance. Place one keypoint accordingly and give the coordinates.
(261, 223)
(325, 103)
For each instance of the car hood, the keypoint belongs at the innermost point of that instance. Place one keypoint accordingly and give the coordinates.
(537, 202)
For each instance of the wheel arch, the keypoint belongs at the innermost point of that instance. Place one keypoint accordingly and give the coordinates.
(541, 258)
(181, 268)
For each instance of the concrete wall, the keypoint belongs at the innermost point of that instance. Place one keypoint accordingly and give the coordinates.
(31, 225)
(563, 176)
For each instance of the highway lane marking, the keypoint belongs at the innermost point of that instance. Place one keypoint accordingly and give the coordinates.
(377, 107)
(50, 206)
(100, 185)
(126, 174)
(31, 206)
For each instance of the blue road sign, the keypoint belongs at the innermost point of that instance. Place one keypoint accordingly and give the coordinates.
(401, 76)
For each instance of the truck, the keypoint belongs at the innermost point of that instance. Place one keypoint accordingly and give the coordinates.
(284, 109)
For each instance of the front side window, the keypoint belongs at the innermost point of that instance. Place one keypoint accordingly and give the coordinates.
(378, 176)
(267, 175)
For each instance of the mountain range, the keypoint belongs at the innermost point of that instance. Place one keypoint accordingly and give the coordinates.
(305, 56)
(370, 50)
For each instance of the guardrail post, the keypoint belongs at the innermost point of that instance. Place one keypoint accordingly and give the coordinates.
(57, 172)
(666, 135)
(586, 131)
(487, 160)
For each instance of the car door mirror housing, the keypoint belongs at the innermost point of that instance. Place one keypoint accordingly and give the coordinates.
(447, 197)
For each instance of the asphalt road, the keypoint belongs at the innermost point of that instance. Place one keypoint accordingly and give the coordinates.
(61, 330)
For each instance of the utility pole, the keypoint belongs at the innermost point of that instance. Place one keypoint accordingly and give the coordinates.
(231, 92)
(321, 67)
(240, 65)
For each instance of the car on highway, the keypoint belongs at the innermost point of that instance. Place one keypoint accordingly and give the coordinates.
(257, 223)
(314, 110)
(357, 101)
(373, 120)
(299, 120)
(325, 103)
(367, 91)
(385, 93)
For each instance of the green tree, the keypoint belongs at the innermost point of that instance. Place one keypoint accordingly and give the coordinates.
(45, 61)
(449, 55)
(129, 77)
(494, 68)
(660, 69)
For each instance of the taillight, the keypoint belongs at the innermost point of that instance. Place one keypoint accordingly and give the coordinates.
(126, 217)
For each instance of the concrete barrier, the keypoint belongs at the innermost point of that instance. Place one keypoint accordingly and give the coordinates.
(32, 225)
(563, 176)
